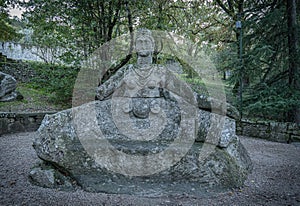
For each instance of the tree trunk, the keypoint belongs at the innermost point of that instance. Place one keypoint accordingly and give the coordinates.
(294, 66)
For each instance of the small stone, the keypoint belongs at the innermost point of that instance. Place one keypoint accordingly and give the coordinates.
(47, 176)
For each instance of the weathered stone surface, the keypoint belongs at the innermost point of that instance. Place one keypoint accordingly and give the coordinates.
(272, 131)
(146, 136)
(284, 132)
(11, 122)
(204, 125)
(294, 129)
(8, 84)
(215, 106)
(295, 138)
(47, 176)
(3, 125)
(226, 165)
(232, 112)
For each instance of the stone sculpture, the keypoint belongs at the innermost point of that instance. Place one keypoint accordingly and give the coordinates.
(145, 135)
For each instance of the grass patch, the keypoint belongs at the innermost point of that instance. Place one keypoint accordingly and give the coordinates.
(34, 100)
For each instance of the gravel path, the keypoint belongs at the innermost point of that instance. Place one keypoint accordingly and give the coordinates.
(275, 180)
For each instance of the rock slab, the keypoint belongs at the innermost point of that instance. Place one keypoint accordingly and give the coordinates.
(8, 86)
(57, 143)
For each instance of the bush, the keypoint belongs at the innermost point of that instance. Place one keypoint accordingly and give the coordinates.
(272, 103)
(56, 80)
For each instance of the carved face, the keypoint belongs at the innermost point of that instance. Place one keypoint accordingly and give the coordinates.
(144, 46)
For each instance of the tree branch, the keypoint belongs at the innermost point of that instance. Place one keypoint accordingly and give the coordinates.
(227, 10)
(111, 71)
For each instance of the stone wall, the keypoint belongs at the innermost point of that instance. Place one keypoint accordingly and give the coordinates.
(28, 52)
(20, 51)
(20, 122)
(274, 131)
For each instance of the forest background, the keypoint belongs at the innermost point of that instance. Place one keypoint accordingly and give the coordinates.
(255, 41)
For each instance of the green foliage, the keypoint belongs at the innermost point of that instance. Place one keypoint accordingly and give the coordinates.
(7, 30)
(270, 102)
(81, 26)
(77, 27)
(266, 92)
(196, 84)
(34, 100)
(56, 80)
(266, 63)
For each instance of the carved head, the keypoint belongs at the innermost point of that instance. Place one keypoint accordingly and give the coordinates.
(144, 42)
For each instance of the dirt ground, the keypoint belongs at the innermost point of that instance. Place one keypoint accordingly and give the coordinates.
(275, 180)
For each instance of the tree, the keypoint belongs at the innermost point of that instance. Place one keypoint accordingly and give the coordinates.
(272, 64)
(293, 48)
(80, 26)
(266, 58)
(7, 31)
(269, 51)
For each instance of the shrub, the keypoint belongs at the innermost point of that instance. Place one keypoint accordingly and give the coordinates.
(56, 80)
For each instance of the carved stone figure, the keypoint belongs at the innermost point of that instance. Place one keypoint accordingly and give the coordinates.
(140, 74)
(145, 135)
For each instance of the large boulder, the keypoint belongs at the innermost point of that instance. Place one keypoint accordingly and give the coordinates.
(8, 85)
(214, 105)
(209, 163)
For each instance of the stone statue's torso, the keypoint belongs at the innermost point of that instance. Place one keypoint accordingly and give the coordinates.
(135, 78)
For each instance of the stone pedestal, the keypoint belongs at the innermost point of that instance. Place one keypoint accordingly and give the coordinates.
(206, 165)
